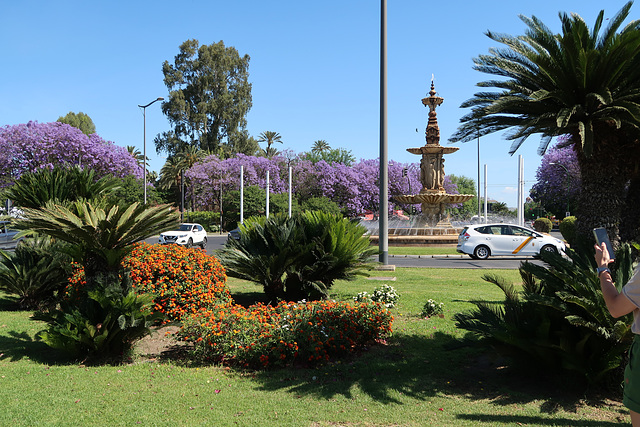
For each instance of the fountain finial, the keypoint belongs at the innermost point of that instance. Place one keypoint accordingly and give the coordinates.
(433, 130)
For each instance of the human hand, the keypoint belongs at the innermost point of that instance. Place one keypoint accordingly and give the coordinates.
(603, 258)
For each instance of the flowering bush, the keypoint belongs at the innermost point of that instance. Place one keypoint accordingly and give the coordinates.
(385, 294)
(432, 308)
(28, 147)
(183, 281)
(264, 336)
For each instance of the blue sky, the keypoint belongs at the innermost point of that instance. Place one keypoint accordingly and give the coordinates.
(314, 68)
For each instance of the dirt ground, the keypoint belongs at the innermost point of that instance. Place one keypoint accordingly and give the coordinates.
(161, 344)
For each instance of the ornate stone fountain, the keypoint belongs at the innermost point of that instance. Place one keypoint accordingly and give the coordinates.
(433, 198)
(432, 226)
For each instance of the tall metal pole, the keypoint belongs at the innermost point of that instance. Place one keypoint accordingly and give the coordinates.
(383, 231)
(486, 198)
(144, 145)
(479, 211)
(267, 194)
(241, 194)
(289, 191)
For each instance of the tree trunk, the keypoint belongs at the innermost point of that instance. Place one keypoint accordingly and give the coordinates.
(602, 198)
(630, 224)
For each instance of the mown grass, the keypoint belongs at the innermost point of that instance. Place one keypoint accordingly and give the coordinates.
(424, 375)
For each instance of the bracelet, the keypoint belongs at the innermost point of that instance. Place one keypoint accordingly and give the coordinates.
(602, 270)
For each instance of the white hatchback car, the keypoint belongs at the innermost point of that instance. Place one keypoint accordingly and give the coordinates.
(483, 240)
(187, 234)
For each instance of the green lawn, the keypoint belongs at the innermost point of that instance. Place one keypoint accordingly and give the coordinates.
(425, 375)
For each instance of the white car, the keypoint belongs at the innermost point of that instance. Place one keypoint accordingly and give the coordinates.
(187, 234)
(483, 240)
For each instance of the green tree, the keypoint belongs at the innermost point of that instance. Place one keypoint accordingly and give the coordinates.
(333, 155)
(131, 190)
(465, 186)
(80, 121)
(270, 138)
(582, 82)
(320, 146)
(209, 97)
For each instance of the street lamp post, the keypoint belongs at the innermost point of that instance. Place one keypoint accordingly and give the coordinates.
(144, 145)
(566, 179)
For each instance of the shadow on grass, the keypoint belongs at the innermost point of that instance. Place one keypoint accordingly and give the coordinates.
(19, 345)
(422, 368)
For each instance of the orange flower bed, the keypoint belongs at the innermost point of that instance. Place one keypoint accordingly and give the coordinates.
(184, 281)
(262, 336)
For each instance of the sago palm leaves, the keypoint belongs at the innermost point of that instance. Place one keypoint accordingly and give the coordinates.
(60, 184)
(101, 237)
(299, 257)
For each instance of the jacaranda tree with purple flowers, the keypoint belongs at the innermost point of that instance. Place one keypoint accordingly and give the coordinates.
(558, 186)
(354, 188)
(28, 147)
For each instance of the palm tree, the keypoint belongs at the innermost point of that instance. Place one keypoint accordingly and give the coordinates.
(137, 155)
(270, 138)
(582, 82)
(320, 146)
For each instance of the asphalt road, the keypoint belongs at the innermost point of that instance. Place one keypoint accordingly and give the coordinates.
(217, 241)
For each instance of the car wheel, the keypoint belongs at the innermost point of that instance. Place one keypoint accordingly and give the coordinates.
(189, 243)
(203, 245)
(482, 252)
(549, 248)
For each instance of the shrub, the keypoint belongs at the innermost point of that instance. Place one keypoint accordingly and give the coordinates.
(385, 295)
(208, 219)
(543, 225)
(300, 257)
(432, 308)
(265, 336)
(181, 281)
(568, 229)
(560, 319)
(35, 272)
(103, 326)
(323, 204)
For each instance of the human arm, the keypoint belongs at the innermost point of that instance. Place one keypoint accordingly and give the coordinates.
(617, 303)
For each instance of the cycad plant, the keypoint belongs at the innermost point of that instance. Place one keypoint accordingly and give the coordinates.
(108, 316)
(100, 237)
(559, 319)
(300, 257)
(60, 184)
(103, 326)
(35, 272)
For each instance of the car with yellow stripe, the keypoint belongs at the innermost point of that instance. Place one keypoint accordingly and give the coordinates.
(481, 241)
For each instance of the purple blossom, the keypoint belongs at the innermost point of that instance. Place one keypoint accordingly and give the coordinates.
(354, 188)
(30, 146)
(556, 189)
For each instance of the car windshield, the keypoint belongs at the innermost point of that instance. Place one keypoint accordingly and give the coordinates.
(184, 227)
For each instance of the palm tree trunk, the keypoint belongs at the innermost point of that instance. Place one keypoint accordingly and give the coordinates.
(602, 199)
(630, 224)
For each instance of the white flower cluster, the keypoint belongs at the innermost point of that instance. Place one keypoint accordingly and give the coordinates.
(385, 294)
(432, 308)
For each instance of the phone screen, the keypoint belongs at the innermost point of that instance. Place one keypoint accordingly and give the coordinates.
(601, 236)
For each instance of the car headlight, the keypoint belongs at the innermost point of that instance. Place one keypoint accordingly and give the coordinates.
(182, 236)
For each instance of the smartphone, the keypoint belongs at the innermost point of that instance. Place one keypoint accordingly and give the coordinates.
(601, 236)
